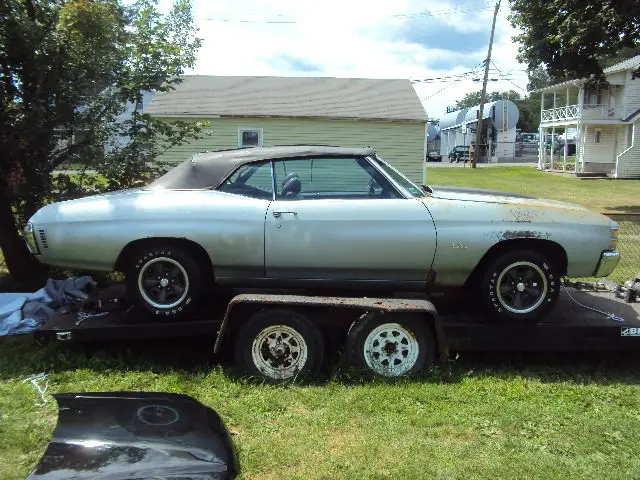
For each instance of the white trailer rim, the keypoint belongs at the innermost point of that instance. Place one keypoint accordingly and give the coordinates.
(391, 350)
(279, 352)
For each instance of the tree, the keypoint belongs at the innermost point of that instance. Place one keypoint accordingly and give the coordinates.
(473, 99)
(572, 38)
(68, 69)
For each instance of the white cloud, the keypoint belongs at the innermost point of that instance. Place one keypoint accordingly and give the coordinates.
(351, 38)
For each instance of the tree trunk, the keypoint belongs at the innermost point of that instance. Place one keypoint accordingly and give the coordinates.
(25, 270)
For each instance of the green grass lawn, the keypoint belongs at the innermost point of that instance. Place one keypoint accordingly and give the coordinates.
(601, 195)
(480, 417)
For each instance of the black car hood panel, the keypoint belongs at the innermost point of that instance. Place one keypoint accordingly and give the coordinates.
(136, 435)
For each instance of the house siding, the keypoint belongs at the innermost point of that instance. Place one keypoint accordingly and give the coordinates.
(599, 157)
(400, 143)
(632, 93)
(629, 160)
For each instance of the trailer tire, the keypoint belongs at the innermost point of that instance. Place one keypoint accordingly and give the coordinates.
(520, 286)
(279, 345)
(391, 345)
(173, 264)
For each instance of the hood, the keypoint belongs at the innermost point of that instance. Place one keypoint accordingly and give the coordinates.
(141, 435)
(495, 196)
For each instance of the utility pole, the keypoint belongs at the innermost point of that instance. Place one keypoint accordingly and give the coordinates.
(476, 150)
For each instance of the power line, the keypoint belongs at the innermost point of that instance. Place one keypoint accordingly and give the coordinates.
(507, 79)
(473, 71)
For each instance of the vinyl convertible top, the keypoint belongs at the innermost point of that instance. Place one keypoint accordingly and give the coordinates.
(210, 169)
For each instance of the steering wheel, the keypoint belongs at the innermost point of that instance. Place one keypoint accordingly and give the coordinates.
(372, 186)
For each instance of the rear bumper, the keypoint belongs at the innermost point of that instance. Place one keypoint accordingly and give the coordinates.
(606, 265)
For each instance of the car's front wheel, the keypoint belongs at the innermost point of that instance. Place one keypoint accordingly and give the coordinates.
(520, 286)
(167, 281)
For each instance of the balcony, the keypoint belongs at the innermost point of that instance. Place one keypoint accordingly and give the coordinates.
(584, 113)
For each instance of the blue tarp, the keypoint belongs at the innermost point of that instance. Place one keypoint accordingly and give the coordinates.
(25, 312)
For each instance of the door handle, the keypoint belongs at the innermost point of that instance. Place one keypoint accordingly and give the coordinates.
(279, 214)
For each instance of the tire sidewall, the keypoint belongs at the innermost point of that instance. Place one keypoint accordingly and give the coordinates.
(361, 329)
(194, 272)
(302, 325)
(489, 287)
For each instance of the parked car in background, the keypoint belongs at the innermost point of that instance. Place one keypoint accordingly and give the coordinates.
(313, 216)
(529, 137)
(433, 156)
(460, 153)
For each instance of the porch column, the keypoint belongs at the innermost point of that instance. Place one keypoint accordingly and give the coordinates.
(554, 107)
(584, 143)
(553, 134)
(541, 135)
(566, 147)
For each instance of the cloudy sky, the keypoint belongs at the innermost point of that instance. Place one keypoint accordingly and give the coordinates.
(415, 39)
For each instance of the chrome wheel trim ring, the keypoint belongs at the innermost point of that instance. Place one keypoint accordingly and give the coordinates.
(145, 294)
(543, 290)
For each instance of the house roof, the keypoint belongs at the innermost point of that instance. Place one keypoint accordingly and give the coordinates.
(628, 64)
(210, 169)
(297, 97)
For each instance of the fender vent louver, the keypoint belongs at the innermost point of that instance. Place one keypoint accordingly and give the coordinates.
(43, 238)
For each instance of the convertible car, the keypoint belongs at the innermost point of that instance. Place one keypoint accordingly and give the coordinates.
(313, 216)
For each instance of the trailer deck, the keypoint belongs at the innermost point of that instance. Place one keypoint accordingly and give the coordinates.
(569, 328)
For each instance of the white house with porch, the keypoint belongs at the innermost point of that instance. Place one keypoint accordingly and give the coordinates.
(607, 119)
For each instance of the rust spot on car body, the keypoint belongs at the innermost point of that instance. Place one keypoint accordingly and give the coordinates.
(513, 234)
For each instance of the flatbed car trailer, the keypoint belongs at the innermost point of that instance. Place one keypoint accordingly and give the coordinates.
(276, 336)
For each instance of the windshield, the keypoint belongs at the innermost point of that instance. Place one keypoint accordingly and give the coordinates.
(400, 179)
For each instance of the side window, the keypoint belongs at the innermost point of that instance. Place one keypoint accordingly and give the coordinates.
(253, 180)
(326, 178)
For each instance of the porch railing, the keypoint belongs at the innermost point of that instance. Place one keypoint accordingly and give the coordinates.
(584, 112)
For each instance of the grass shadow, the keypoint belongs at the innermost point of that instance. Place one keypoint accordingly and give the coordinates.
(189, 359)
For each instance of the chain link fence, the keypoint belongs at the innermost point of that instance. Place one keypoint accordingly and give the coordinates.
(628, 246)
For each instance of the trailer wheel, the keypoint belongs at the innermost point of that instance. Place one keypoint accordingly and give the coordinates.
(520, 286)
(279, 344)
(167, 281)
(390, 345)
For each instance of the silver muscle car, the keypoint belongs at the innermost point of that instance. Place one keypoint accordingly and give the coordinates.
(313, 216)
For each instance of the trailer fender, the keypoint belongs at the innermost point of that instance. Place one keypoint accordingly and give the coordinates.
(390, 305)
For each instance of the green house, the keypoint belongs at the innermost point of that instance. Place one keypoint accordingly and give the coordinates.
(265, 111)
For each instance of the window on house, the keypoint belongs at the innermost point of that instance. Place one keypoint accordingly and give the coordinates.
(250, 137)
(629, 135)
(598, 135)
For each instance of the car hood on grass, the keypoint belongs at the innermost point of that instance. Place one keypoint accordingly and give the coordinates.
(141, 435)
(495, 196)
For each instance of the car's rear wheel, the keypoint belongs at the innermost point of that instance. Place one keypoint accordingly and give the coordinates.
(520, 286)
(390, 345)
(167, 281)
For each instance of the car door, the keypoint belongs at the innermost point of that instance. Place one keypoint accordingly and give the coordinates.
(341, 219)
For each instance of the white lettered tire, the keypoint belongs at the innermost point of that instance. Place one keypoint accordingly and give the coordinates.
(391, 345)
(167, 281)
(520, 286)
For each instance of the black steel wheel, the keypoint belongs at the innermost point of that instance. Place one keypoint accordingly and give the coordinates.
(279, 345)
(167, 281)
(520, 286)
